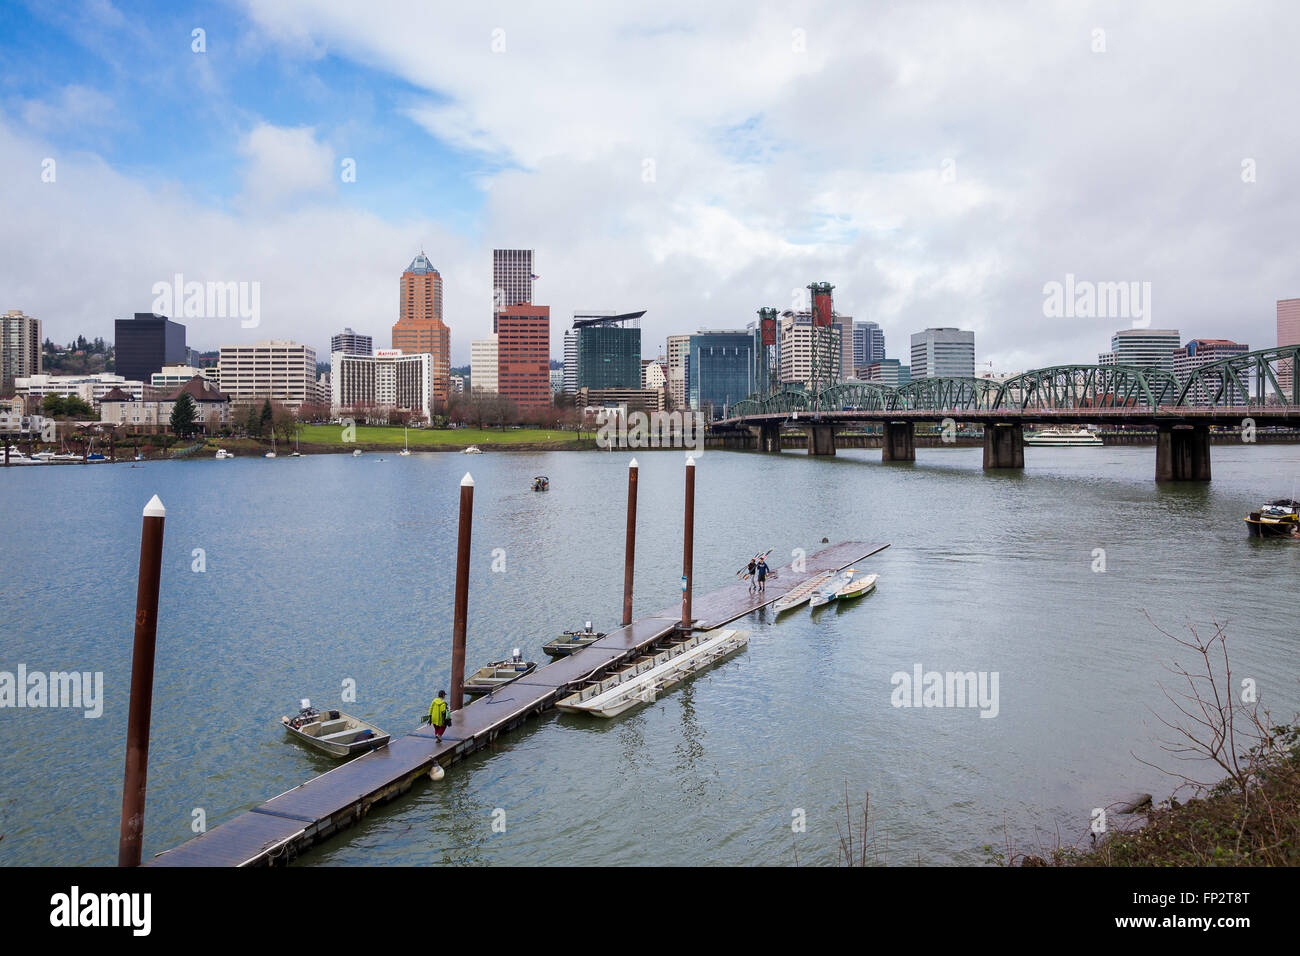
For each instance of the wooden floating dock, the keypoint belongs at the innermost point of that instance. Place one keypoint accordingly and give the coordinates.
(276, 831)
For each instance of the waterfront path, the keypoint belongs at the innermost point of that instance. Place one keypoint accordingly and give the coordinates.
(276, 831)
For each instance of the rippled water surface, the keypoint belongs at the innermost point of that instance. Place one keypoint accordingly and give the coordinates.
(330, 568)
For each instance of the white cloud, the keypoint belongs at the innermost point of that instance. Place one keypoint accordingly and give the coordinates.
(284, 164)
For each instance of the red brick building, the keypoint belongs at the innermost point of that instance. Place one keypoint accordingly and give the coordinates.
(524, 354)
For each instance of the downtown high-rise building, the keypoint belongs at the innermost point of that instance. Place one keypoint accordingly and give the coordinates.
(868, 344)
(679, 350)
(420, 328)
(353, 343)
(943, 353)
(1198, 352)
(144, 344)
(1288, 333)
(512, 278)
(570, 377)
(523, 334)
(723, 368)
(483, 365)
(1145, 348)
(20, 348)
(274, 369)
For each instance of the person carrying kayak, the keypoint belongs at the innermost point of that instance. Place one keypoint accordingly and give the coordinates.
(749, 573)
(761, 572)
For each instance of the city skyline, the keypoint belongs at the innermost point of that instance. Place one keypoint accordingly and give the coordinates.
(948, 225)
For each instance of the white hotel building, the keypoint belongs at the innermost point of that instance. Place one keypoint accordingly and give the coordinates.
(389, 379)
(89, 388)
(282, 371)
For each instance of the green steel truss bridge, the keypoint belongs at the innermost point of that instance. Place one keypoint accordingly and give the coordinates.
(1258, 386)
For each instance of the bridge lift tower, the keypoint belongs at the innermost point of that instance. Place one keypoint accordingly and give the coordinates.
(825, 357)
(771, 364)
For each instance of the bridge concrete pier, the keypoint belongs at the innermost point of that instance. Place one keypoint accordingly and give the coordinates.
(768, 436)
(1183, 453)
(821, 438)
(1004, 446)
(898, 442)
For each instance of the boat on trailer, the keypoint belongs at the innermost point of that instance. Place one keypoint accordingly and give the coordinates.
(801, 593)
(333, 732)
(643, 680)
(571, 641)
(498, 674)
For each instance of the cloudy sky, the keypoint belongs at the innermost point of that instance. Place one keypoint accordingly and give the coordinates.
(939, 163)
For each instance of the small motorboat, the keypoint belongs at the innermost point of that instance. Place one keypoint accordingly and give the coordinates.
(1277, 519)
(472, 450)
(571, 641)
(826, 593)
(332, 731)
(541, 483)
(499, 673)
(858, 585)
(356, 453)
(800, 593)
(222, 455)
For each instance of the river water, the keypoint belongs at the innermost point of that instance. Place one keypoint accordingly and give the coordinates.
(332, 569)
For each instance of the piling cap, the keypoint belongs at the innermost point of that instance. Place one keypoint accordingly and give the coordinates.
(467, 481)
(690, 462)
(155, 509)
(632, 463)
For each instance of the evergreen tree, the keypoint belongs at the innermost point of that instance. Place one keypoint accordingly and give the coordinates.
(184, 413)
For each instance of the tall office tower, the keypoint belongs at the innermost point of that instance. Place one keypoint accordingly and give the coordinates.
(1147, 348)
(419, 325)
(1200, 352)
(795, 343)
(868, 344)
(571, 361)
(723, 369)
(20, 348)
(524, 355)
(890, 372)
(679, 349)
(512, 278)
(483, 365)
(352, 343)
(609, 349)
(943, 353)
(144, 344)
(277, 369)
(1288, 333)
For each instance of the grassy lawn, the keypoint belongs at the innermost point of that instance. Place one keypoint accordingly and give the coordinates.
(388, 435)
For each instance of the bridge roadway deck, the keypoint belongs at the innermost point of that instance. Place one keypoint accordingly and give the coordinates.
(1162, 415)
(276, 831)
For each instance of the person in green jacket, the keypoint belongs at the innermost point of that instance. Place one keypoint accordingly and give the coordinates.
(439, 715)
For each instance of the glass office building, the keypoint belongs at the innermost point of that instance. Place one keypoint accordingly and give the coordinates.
(609, 356)
(722, 368)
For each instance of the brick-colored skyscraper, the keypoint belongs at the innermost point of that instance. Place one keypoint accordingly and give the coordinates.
(524, 355)
(1288, 333)
(419, 326)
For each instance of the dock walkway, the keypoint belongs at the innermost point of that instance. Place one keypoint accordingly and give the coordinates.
(276, 831)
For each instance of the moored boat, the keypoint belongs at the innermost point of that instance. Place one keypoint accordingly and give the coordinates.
(332, 731)
(800, 593)
(1064, 438)
(1277, 519)
(498, 674)
(642, 681)
(829, 588)
(541, 483)
(571, 641)
(858, 585)
(472, 450)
